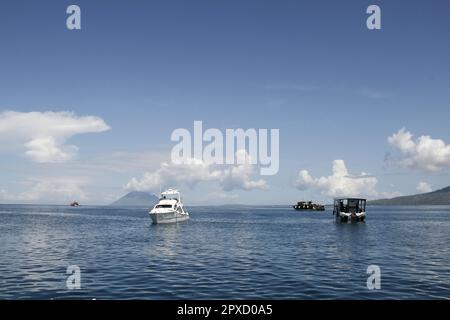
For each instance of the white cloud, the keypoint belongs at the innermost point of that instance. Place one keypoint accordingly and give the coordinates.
(424, 153)
(340, 183)
(93, 180)
(58, 190)
(51, 190)
(44, 134)
(424, 187)
(194, 171)
(239, 177)
(44, 150)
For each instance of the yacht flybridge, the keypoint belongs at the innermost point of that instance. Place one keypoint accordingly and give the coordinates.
(169, 209)
(350, 209)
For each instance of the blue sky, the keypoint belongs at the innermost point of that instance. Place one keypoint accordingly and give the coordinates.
(335, 89)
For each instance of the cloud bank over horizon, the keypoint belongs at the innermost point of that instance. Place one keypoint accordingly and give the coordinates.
(61, 190)
(42, 137)
(193, 171)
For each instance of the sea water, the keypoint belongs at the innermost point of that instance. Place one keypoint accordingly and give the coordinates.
(229, 252)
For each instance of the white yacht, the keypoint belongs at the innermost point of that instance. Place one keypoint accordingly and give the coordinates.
(169, 209)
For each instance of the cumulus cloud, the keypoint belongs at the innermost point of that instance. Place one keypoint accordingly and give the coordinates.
(424, 153)
(424, 187)
(46, 149)
(44, 134)
(192, 171)
(239, 177)
(340, 183)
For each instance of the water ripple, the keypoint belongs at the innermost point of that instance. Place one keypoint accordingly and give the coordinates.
(223, 253)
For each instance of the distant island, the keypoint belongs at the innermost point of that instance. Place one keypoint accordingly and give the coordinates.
(438, 197)
(136, 199)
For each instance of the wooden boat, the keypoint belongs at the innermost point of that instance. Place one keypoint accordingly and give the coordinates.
(308, 206)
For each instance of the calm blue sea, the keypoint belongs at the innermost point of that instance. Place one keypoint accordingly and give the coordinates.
(223, 253)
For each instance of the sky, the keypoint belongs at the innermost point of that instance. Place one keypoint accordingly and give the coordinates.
(88, 114)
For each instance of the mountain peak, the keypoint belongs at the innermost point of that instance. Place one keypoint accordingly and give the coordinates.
(443, 190)
(136, 199)
(438, 197)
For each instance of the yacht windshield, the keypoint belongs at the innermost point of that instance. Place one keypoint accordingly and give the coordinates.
(164, 206)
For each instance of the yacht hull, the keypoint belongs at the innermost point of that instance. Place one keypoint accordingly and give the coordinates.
(168, 217)
(359, 217)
